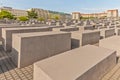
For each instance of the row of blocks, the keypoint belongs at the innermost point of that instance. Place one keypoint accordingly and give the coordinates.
(31, 44)
(34, 44)
(6, 36)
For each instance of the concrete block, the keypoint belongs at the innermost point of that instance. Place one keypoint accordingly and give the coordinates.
(66, 29)
(18, 26)
(111, 43)
(7, 34)
(56, 27)
(5, 27)
(89, 27)
(107, 32)
(84, 38)
(118, 31)
(85, 63)
(31, 47)
(81, 28)
(67, 24)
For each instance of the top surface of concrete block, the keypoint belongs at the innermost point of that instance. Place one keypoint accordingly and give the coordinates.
(111, 43)
(65, 66)
(113, 39)
(106, 29)
(20, 28)
(39, 33)
(64, 28)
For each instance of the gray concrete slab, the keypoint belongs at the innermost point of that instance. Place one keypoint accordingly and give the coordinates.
(31, 47)
(111, 43)
(107, 32)
(80, 38)
(118, 31)
(85, 63)
(7, 34)
(19, 26)
(67, 29)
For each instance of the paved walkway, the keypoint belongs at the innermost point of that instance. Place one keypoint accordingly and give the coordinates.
(114, 74)
(8, 70)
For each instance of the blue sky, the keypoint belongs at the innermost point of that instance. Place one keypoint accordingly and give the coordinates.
(84, 6)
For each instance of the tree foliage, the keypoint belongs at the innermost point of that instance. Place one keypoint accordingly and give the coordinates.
(32, 14)
(57, 17)
(86, 18)
(6, 14)
(54, 16)
(23, 18)
(41, 19)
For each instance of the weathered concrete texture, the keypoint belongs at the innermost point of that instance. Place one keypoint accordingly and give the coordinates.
(118, 31)
(107, 32)
(85, 63)
(56, 26)
(67, 29)
(112, 26)
(84, 38)
(6, 27)
(67, 24)
(111, 43)
(81, 28)
(7, 34)
(31, 47)
(89, 27)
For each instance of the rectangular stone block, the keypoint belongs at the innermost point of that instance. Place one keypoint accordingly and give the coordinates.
(67, 29)
(67, 24)
(118, 31)
(85, 63)
(89, 27)
(7, 34)
(111, 43)
(56, 27)
(5, 27)
(31, 47)
(84, 38)
(81, 28)
(107, 32)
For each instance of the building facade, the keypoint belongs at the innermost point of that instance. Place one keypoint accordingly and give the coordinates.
(15, 12)
(41, 12)
(76, 15)
(112, 13)
(108, 13)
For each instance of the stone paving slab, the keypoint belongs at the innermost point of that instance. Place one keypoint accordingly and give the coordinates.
(8, 70)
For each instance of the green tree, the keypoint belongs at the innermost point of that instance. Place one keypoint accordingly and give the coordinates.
(41, 19)
(23, 18)
(57, 17)
(80, 17)
(54, 16)
(6, 14)
(32, 14)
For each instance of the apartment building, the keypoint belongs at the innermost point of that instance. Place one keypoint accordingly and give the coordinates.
(76, 15)
(108, 13)
(112, 13)
(41, 12)
(16, 12)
